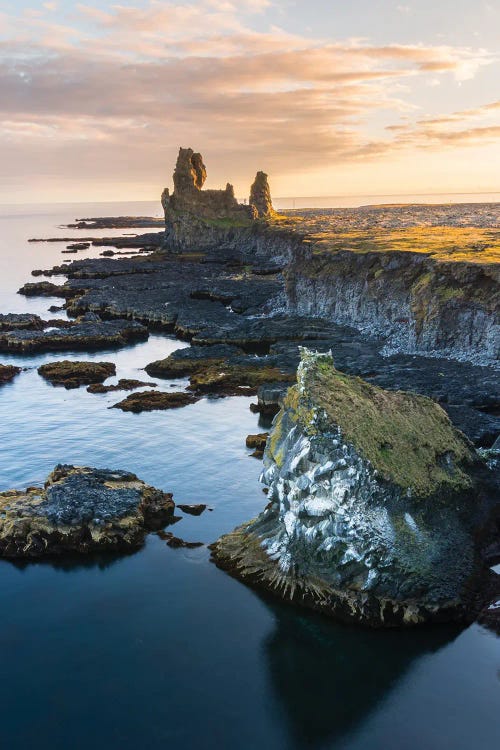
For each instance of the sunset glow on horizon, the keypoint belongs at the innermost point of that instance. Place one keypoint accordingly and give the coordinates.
(375, 98)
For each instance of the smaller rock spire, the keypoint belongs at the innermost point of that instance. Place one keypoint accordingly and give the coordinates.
(260, 196)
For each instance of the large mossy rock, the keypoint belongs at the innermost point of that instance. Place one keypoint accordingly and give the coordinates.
(81, 510)
(375, 509)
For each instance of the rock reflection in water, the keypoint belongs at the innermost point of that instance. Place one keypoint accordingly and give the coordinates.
(329, 677)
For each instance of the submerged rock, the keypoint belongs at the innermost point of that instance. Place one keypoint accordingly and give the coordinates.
(74, 374)
(81, 510)
(193, 510)
(154, 401)
(8, 373)
(376, 505)
(124, 384)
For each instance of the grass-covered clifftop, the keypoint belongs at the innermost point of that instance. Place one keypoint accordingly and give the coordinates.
(408, 439)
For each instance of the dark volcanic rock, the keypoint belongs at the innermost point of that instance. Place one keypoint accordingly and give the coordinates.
(216, 306)
(72, 374)
(20, 321)
(377, 506)
(8, 373)
(269, 399)
(260, 196)
(81, 510)
(117, 222)
(192, 359)
(123, 384)
(79, 246)
(193, 510)
(45, 289)
(78, 336)
(154, 401)
(177, 543)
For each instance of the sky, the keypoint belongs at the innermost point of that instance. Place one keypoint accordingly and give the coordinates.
(329, 97)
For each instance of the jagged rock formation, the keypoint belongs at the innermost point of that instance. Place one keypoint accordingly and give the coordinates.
(201, 219)
(375, 507)
(82, 510)
(260, 196)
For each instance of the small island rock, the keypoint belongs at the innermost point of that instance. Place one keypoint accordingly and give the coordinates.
(81, 510)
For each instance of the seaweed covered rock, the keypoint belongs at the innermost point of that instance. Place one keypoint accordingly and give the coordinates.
(124, 384)
(8, 373)
(155, 401)
(376, 505)
(223, 370)
(81, 510)
(72, 374)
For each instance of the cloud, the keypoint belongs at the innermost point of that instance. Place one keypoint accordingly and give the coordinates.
(118, 90)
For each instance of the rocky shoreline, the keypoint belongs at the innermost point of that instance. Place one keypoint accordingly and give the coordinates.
(247, 288)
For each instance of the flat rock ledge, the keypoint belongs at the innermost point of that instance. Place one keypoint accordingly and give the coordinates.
(72, 374)
(378, 507)
(85, 335)
(155, 401)
(81, 510)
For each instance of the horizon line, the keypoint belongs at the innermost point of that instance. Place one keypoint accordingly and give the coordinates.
(278, 198)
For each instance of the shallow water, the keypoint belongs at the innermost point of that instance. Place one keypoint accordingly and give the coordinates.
(160, 649)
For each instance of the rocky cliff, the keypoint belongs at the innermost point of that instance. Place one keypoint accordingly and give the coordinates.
(375, 508)
(419, 303)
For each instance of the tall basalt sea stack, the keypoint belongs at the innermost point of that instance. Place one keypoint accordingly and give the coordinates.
(376, 505)
(260, 196)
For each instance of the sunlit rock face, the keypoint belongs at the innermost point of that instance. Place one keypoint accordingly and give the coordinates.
(373, 512)
(197, 219)
(260, 195)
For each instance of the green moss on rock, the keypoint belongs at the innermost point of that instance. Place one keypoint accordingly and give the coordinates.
(408, 439)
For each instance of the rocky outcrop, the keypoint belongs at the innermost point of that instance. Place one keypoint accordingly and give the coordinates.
(8, 373)
(71, 374)
(260, 196)
(21, 322)
(155, 401)
(197, 219)
(376, 505)
(81, 510)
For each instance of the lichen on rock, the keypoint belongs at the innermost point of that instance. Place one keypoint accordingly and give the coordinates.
(374, 505)
(81, 510)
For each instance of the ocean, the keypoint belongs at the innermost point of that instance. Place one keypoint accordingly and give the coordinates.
(160, 649)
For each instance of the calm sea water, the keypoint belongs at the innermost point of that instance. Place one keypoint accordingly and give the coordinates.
(160, 649)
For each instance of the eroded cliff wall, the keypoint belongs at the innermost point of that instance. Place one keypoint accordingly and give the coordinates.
(418, 304)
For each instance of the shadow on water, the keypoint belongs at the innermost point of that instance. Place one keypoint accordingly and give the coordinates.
(72, 563)
(328, 677)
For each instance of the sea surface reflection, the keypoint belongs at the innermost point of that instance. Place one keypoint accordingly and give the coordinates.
(161, 649)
